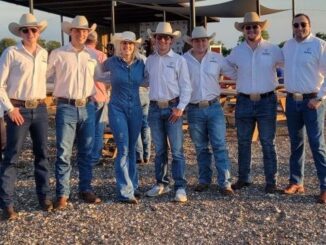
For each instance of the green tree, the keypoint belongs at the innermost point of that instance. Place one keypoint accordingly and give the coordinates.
(321, 35)
(5, 43)
(50, 45)
(281, 44)
(41, 42)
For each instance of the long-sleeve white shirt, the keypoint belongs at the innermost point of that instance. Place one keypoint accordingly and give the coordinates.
(168, 78)
(22, 75)
(73, 72)
(305, 66)
(256, 68)
(204, 75)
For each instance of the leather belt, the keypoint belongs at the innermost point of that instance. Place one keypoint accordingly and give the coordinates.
(165, 103)
(205, 103)
(28, 104)
(300, 97)
(257, 97)
(74, 102)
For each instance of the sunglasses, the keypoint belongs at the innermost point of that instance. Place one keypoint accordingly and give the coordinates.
(302, 24)
(165, 37)
(26, 30)
(254, 27)
(126, 43)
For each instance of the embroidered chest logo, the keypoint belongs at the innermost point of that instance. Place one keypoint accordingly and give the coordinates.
(266, 52)
(308, 51)
(171, 65)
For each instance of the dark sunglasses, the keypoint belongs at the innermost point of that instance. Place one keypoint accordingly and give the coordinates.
(126, 43)
(165, 37)
(254, 27)
(302, 24)
(26, 30)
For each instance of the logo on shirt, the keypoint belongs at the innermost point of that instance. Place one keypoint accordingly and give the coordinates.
(266, 52)
(171, 65)
(308, 51)
(213, 60)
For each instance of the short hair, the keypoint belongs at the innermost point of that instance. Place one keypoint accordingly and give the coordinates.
(304, 15)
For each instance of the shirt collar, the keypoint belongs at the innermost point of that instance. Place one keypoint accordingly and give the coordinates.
(308, 39)
(170, 53)
(70, 47)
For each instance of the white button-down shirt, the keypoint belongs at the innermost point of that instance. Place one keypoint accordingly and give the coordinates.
(256, 68)
(168, 78)
(305, 66)
(73, 72)
(204, 75)
(22, 75)
(1, 110)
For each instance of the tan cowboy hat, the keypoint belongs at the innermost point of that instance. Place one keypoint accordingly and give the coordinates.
(126, 36)
(164, 28)
(79, 22)
(27, 20)
(198, 32)
(92, 36)
(249, 19)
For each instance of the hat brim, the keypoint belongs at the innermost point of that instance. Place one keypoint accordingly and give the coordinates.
(188, 39)
(67, 26)
(176, 34)
(239, 25)
(14, 28)
(117, 41)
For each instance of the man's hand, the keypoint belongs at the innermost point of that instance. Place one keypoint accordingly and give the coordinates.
(314, 103)
(175, 115)
(15, 116)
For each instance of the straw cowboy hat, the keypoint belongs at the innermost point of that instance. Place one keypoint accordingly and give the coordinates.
(92, 36)
(79, 22)
(27, 20)
(126, 36)
(164, 28)
(198, 32)
(249, 19)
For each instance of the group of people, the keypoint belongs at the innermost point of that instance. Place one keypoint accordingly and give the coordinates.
(174, 83)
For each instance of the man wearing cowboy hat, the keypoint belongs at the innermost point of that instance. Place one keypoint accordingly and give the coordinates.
(304, 76)
(205, 114)
(73, 68)
(255, 61)
(22, 94)
(100, 100)
(170, 92)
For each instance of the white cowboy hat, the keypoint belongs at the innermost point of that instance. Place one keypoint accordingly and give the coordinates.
(79, 22)
(198, 32)
(164, 28)
(126, 36)
(92, 36)
(249, 19)
(27, 20)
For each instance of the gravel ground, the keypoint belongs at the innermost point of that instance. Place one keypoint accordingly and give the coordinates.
(250, 217)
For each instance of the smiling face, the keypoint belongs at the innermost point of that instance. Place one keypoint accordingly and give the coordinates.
(301, 28)
(78, 37)
(163, 43)
(30, 35)
(199, 45)
(127, 49)
(252, 32)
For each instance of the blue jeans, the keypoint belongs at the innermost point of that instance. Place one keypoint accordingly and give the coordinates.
(36, 123)
(208, 125)
(74, 122)
(125, 124)
(163, 131)
(143, 146)
(247, 114)
(100, 123)
(299, 118)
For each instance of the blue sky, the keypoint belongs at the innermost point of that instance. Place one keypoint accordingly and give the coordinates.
(279, 23)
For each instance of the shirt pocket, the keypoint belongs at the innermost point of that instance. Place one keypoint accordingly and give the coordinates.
(20, 66)
(212, 68)
(169, 73)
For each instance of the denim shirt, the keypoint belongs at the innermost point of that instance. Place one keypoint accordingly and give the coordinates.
(125, 81)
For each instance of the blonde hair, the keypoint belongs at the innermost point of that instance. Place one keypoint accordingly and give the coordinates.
(117, 50)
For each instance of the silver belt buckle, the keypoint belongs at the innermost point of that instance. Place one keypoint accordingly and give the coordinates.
(255, 97)
(203, 104)
(297, 97)
(80, 102)
(163, 104)
(31, 104)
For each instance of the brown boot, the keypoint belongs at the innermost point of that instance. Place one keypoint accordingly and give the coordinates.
(293, 188)
(322, 197)
(89, 197)
(9, 213)
(227, 191)
(46, 205)
(61, 203)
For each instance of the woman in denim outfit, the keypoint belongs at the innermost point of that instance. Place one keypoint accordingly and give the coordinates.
(126, 70)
